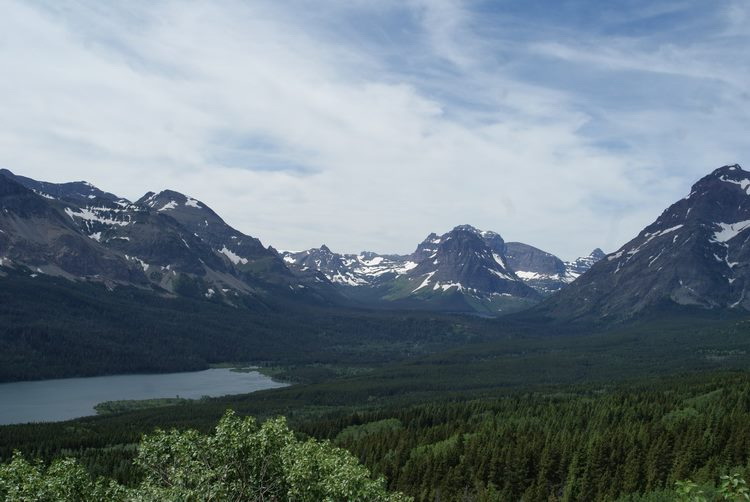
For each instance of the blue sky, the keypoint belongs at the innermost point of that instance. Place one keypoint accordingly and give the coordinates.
(366, 125)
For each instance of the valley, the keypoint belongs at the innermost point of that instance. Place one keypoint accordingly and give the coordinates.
(336, 251)
(408, 362)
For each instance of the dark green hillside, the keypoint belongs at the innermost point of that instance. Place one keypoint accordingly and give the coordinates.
(51, 327)
(511, 366)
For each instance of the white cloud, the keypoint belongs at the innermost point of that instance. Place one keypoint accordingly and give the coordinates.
(299, 135)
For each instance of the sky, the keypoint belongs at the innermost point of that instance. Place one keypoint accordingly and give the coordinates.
(366, 125)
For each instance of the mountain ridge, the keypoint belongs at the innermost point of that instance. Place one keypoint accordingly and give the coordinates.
(696, 253)
(435, 268)
(176, 244)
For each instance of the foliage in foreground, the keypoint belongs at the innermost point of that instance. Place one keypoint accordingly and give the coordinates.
(732, 487)
(242, 461)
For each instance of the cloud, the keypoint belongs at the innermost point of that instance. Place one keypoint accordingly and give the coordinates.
(367, 126)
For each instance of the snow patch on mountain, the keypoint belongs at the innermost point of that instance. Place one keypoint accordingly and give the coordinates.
(95, 214)
(425, 283)
(744, 183)
(729, 231)
(233, 257)
(168, 206)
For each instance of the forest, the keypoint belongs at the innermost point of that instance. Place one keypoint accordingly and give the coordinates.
(443, 407)
(54, 328)
(633, 441)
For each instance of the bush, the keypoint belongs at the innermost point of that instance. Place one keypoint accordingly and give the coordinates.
(242, 461)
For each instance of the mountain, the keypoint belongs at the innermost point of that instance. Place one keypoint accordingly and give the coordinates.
(364, 269)
(40, 233)
(544, 271)
(465, 269)
(695, 254)
(175, 244)
(244, 253)
(78, 192)
(462, 270)
(574, 269)
(167, 242)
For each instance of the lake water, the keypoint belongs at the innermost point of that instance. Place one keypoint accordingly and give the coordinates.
(66, 398)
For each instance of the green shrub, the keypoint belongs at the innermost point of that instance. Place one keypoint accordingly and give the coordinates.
(241, 461)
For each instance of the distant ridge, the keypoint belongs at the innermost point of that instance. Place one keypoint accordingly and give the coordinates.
(465, 269)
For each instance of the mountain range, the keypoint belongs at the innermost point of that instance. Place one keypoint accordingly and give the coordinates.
(175, 244)
(695, 254)
(465, 269)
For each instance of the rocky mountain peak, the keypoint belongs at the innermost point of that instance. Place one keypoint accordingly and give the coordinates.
(169, 200)
(465, 228)
(726, 179)
(8, 186)
(77, 192)
(695, 253)
(733, 171)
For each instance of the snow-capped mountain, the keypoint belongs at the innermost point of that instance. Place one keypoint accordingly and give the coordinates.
(77, 192)
(696, 253)
(176, 244)
(544, 271)
(364, 269)
(39, 232)
(244, 253)
(574, 269)
(165, 241)
(464, 269)
(541, 270)
(465, 260)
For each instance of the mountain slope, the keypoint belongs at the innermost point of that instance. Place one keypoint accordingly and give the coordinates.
(78, 192)
(244, 253)
(40, 233)
(695, 254)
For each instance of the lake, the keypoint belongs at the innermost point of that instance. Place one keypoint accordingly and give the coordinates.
(66, 398)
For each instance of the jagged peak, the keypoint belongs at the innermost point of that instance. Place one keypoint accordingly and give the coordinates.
(729, 169)
(466, 228)
(169, 199)
(726, 175)
(731, 173)
(73, 189)
(486, 234)
(597, 253)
